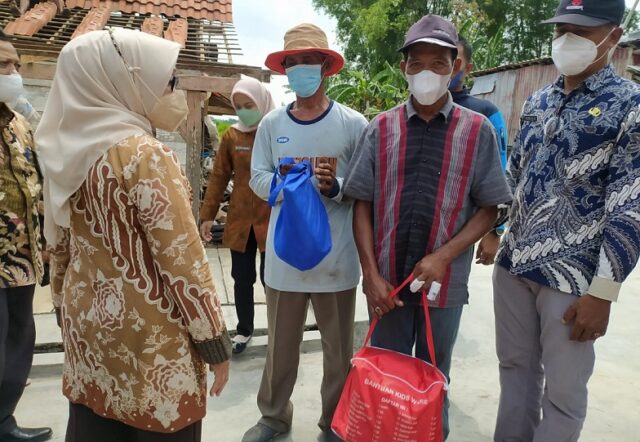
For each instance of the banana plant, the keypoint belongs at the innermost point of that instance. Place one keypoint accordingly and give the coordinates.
(367, 94)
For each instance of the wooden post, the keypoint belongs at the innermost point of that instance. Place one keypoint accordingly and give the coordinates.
(195, 140)
(226, 45)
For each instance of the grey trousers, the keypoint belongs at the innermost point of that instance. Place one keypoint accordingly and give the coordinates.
(286, 313)
(541, 370)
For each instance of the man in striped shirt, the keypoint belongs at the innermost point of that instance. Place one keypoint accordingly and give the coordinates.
(427, 181)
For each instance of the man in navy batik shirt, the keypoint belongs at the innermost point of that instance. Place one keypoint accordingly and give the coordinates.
(574, 231)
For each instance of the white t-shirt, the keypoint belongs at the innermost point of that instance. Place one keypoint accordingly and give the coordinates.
(335, 135)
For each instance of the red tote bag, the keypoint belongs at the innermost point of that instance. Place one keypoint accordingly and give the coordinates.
(390, 396)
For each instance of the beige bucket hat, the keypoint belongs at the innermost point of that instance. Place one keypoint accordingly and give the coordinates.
(301, 39)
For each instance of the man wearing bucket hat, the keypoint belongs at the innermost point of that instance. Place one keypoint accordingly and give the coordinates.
(573, 235)
(316, 128)
(427, 179)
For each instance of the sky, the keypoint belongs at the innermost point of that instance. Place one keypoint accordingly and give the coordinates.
(261, 25)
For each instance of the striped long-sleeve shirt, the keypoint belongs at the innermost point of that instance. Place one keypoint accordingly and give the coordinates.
(426, 180)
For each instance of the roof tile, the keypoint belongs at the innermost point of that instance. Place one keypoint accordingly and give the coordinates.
(213, 10)
(178, 31)
(153, 25)
(95, 20)
(33, 20)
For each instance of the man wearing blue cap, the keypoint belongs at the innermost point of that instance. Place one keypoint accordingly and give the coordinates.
(574, 230)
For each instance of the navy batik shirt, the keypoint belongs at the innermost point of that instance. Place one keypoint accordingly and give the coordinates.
(575, 175)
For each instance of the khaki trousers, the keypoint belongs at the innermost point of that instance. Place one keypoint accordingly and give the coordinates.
(286, 315)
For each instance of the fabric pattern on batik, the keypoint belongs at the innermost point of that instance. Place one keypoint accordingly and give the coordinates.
(575, 175)
(139, 310)
(20, 204)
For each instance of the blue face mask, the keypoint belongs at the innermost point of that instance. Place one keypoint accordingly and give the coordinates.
(305, 79)
(456, 81)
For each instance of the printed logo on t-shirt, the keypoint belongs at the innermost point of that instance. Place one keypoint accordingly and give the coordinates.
(282, 140)
(243, 149)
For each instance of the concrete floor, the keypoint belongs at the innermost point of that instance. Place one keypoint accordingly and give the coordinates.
(614, 389)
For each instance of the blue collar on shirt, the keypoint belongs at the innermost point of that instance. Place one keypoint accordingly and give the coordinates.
(309, 122)
(462, 93)
(593, 83)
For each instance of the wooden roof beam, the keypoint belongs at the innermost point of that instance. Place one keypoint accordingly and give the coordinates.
(222, 85)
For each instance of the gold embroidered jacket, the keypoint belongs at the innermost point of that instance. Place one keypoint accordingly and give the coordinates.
(20, 203)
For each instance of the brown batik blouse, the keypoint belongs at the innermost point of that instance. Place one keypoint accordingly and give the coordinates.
(140, 315)
(246, 209)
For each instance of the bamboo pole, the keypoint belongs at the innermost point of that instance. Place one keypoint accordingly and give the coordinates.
(194, 141)
(632, 11)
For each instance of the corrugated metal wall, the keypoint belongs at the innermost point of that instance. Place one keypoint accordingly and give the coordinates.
(512, 87)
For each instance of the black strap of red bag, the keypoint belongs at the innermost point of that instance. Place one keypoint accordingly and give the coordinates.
(427, 320)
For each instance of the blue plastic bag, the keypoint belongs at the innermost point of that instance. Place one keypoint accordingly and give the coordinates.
(302, 236)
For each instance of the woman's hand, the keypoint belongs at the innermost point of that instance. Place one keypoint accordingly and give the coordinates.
(221, 377)
(205, 230)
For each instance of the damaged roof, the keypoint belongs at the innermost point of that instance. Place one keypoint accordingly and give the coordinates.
(202, 27)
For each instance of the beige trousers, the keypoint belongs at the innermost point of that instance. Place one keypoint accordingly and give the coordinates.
(286, 315)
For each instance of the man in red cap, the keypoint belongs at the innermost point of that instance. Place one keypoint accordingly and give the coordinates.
(427, 180)
(574, 231)
(319, 129)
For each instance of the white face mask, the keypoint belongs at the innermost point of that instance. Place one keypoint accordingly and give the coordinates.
(573, 54)
(428, 87)
(10, 88)
(169, 112)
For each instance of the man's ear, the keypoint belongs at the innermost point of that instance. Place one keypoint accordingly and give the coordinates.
(616, 35)
(403, 66)
(457, 64)
(468, 69)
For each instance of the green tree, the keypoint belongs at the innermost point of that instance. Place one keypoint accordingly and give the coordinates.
(371, 31)
(369, 95)
(223, 125)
